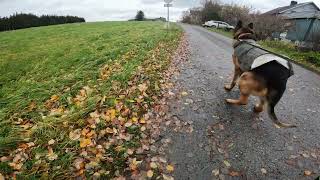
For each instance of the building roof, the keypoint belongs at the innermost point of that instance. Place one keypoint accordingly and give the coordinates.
(286, 8)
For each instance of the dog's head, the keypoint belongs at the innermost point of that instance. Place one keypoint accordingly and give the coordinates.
(244, 32)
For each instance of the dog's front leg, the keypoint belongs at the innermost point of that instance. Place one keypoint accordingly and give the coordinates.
(243, 100)
(237, 73)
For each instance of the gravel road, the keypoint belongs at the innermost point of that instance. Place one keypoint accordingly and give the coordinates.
(229, 142)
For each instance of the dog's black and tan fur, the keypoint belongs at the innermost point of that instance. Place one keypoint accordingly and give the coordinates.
(267, 81)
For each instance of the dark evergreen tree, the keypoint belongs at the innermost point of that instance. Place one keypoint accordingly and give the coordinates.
(20, 21)
(140, 16)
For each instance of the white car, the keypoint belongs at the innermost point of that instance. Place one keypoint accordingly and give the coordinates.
(218, 24)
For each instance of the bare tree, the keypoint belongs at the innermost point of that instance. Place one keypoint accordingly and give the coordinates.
(210, 10)
(266, 25)
(231, 13)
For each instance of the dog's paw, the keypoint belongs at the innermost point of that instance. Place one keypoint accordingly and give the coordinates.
(257, 109)
(229, 101)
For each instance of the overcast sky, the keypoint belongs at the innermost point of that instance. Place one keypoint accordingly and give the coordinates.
(105, 10)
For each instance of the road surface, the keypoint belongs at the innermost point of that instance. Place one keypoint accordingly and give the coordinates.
(229, 142)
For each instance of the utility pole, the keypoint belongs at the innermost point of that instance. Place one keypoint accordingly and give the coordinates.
(168, 5)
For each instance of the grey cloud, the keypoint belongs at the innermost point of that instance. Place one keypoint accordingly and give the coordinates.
(102, 10)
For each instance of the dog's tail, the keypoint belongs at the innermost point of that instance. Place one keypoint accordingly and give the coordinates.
(273, 98)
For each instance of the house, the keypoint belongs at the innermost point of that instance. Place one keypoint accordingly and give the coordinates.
(303, 21)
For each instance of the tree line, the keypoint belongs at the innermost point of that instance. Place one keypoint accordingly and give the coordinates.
(265, 25)
(21, 20)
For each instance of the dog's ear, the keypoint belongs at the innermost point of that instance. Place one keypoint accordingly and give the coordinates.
(250, 25)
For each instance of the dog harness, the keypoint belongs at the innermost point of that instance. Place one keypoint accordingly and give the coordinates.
(251, 55)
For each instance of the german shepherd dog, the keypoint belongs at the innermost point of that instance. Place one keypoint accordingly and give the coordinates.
(267, 81)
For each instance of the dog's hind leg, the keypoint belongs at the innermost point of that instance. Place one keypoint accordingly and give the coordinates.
(237, 73)
(273, 98)
(260, 106)
(246, 87)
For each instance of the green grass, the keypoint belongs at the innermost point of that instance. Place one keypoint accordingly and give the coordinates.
(309, 59)
(63, 61)
(222, 32)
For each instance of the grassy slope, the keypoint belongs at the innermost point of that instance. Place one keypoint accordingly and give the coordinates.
(53, 77)
(309, 59)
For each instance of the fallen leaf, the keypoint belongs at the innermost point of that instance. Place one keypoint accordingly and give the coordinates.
(79, 164)
(128, 124)
(227, 163)
(150, 174)
(130, 151)
(143, 87)
(234, 173)
(184, 93)
(1, 177)
(142, 121)
(109, 131)
(16, 166)
(170, 168)
(4, 159)
(51, 155)
(134, 119)
(54, 98)
(75, 135)
(84, 142)
(52, 141)
(263, 171)
(215, 172)
(307, 173)
(305, 155)
(166, 177)
(153, 165)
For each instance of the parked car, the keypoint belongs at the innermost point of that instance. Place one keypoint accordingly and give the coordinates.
(218, 24)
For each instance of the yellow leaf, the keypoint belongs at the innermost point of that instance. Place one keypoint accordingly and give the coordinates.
(54, 98)
(84, 142)
(1, 177)
(142, 121)
(150, 173)
(85, 131)
(170, 168)
(134, 119)
(112, 113)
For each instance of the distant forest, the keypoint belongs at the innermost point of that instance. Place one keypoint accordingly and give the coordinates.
(20, 21)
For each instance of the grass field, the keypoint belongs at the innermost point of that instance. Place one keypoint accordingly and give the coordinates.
(62, 87)
(310, 59)
(221, 31)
